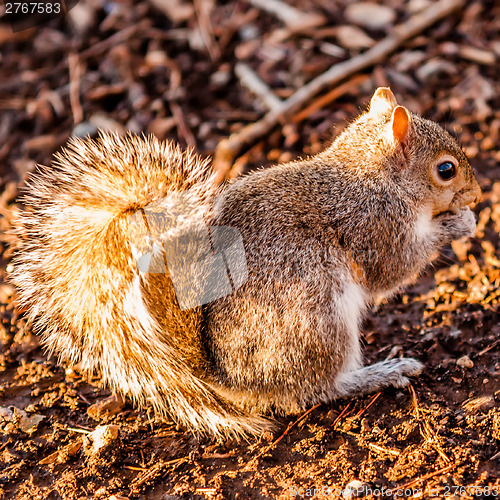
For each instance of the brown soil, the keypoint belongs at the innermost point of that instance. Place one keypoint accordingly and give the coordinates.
(170, 71)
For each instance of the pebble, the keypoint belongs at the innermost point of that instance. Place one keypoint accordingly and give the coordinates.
(480, 56)
(370, 15)
(62, 455)
(104, 435)
(82, 17)
(105, 122)
(156, 59)
(85, 129)
(6, 293)
(14, 418)
(435, 67)
(465, 362)
(356, 489)
(352, 37)
(106, 407)
(249, 31)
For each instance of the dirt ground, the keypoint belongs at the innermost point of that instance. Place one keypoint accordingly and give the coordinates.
(168, 67)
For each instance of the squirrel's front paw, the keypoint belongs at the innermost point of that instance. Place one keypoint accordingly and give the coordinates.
(460, 225)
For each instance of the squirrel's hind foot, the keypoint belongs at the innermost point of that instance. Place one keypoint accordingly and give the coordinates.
(373, 378)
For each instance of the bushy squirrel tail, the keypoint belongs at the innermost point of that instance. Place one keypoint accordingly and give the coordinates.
(77, 275)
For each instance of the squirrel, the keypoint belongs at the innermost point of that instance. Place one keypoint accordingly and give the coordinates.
(220, 307)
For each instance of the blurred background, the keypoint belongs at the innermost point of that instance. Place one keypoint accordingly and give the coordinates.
(186, 70)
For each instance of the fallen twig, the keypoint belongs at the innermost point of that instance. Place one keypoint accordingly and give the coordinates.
(154, 471)
(116, 38)
(249, 79)
(240, 163)
(426, 431)
(292, 17)
(229, 148)
(414, 400)
(329, 97)
(79, 430)
(374, 398)
(182, 128)
(381, 449)
(426, 476)
(288, 429)
(137, 469)
(205, 25)
(491, 346)
(339, 418)
(74, 87)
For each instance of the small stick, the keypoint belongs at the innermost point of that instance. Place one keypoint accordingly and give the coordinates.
(153, 471)
(491, 346)
(292, 17)
(84, 399)
(16, 103)
(113, 40)
(328, 98)
(5, 149)
(6, 444)
(249, 79)
(288, 429)
(81, 431)
(74, 87)
(207, 33)
(381, 449)
(426, 430)
(182, 127)
(431, 436)
(427, 476)
(229, 148)
(415, 400)
(131, 467)
(374, 398)
(339, 418)
(240, 163)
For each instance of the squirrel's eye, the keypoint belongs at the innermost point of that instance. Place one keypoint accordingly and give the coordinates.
(446, 170)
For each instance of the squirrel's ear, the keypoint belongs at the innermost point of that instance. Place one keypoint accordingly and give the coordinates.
(400, 124)
(383, 101)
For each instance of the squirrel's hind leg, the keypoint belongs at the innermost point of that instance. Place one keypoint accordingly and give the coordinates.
(373, 378)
